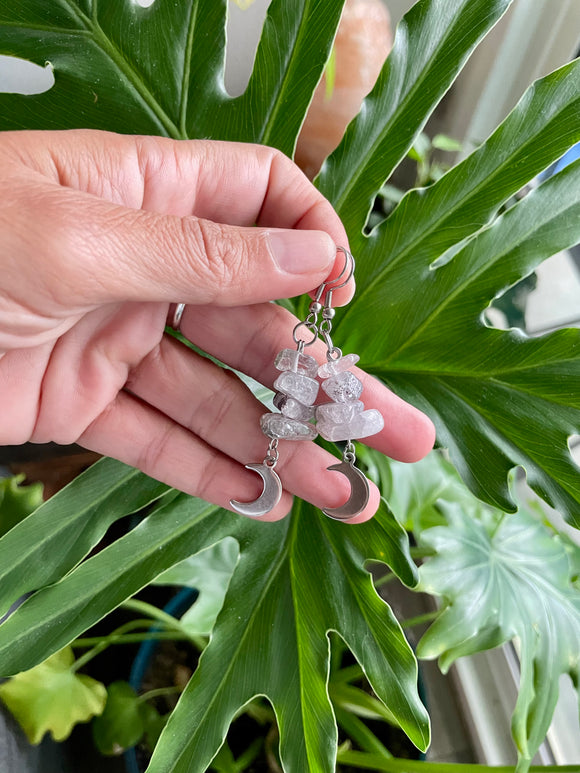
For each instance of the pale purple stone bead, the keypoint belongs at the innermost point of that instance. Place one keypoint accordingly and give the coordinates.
(292, 360)
(343, 388)
(332, 367)
(338, 413)
(362, 425)
(302, 388)
(275, 425)
(293, 408)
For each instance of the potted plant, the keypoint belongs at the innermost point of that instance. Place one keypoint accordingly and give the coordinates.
(426, 274)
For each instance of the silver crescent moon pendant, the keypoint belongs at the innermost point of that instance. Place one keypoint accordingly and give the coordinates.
(359, 493)
(269, 497)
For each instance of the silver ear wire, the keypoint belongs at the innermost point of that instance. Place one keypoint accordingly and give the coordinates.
(330, 285)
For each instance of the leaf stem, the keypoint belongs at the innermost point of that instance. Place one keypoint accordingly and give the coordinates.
(348, 674)
(426, 617)
(361, 734)
(102, 642)
(165, 619)
(385, 579)
(184, 97)
(159, 692)
(380, 764)
(131, 638)
(421, 552)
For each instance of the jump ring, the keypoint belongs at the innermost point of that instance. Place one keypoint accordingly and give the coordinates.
(175, 314)
(309, 326)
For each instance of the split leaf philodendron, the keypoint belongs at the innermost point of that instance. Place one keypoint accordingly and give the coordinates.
(425, 277)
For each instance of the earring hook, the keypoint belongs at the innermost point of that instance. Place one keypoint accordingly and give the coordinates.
(329, 286)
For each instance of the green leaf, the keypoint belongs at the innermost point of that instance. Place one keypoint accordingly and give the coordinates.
(420, 149)
(99, 584)
(503, 578)
(443, 142)
(17, 501)
(310, 581)
(425, 278)
(431, 46)
(52, 698)
(362, 735)
(294, 582)
(358, 702)
(153, 723)
(209, 572)
(160, 70)
(498, 398)
(60, 533)
(121, 724)
(414, 491)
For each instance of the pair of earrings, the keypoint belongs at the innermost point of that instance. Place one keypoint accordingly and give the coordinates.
(341, 419)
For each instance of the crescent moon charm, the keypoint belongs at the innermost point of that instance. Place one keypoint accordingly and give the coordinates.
(359, 493)
(269, 497)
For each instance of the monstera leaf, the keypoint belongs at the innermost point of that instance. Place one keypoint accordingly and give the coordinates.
(293, 583)
(431, 269)
(159, 70)
(502, 578)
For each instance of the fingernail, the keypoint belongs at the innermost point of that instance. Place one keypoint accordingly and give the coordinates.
(302, 252)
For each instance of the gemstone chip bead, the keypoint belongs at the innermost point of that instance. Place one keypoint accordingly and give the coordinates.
(276, 425)
(302, 388)
(338, 413)
(293, 408)
(361, 425)
(343, 388)
(296, 362)
(332, 367)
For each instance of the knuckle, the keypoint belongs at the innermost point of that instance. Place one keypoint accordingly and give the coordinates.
(209, 477)
(152, 456)
(216, 408)
(220, 259)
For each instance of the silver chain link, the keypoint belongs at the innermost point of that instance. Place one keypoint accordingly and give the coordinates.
(272, 454)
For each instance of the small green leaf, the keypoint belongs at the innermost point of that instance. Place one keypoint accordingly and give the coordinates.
(153, 724)
(17, 501)
(420, 149)
(52, 698)
(121, 724)
(209, 572)
(501, 578)
(443, 142)
(359, 702)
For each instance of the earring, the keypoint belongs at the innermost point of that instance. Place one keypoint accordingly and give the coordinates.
(342, 419)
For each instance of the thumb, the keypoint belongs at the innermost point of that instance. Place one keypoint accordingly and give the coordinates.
(121, 254)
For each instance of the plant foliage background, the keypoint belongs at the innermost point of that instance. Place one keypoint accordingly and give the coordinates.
(428, 272)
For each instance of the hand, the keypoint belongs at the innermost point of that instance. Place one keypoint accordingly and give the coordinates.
(98, 234)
